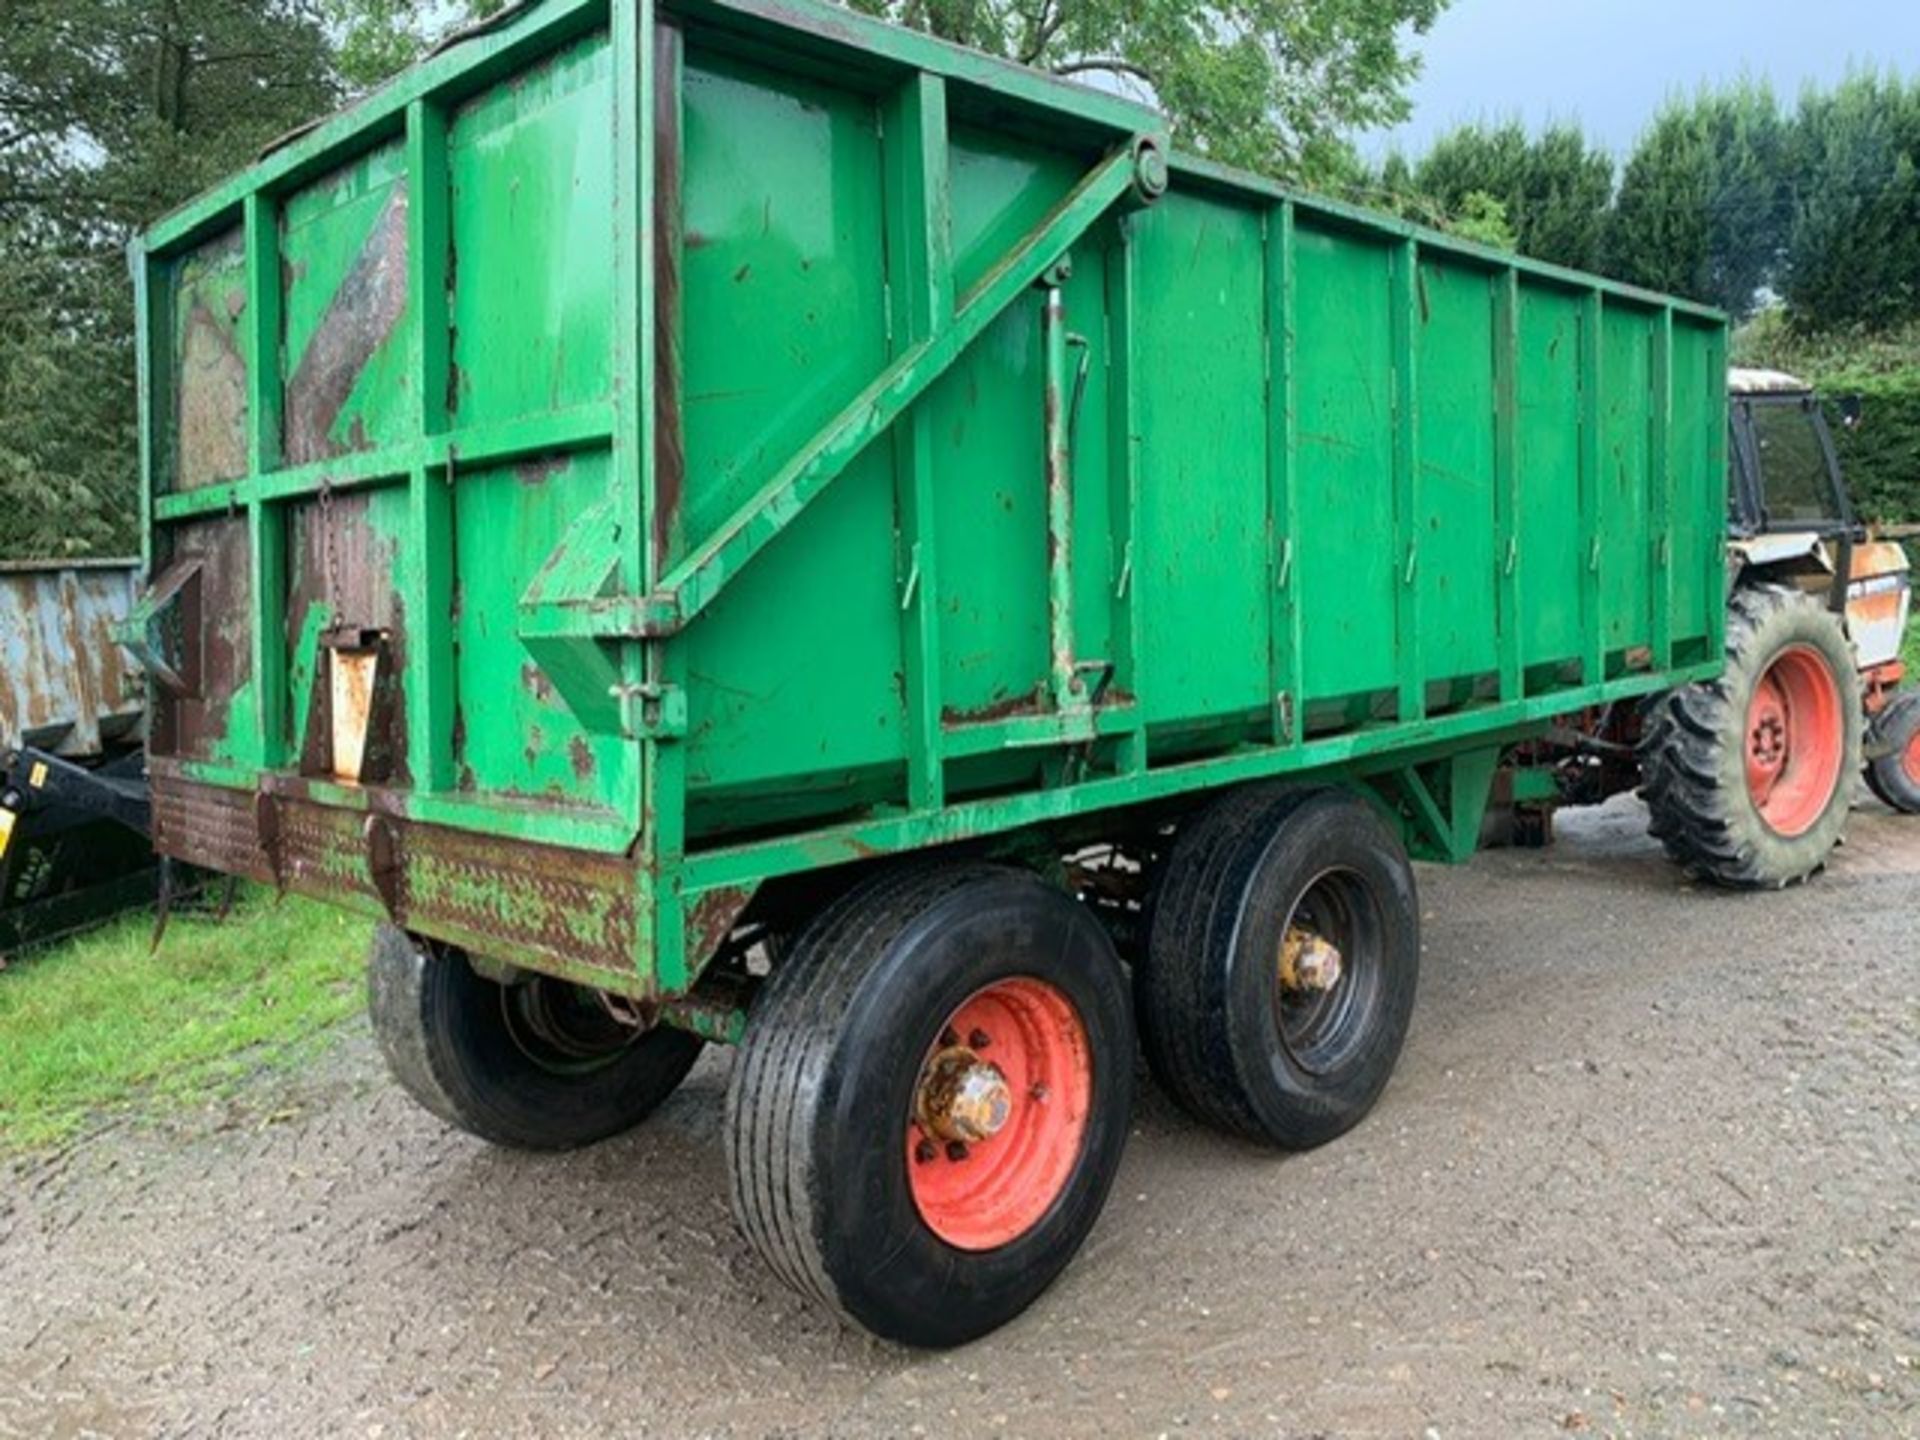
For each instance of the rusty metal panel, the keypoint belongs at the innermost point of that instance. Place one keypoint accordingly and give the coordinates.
(64, 683)
(344, 262)
(210, 365)
(208, 636)
(341, 567)
(561, 909)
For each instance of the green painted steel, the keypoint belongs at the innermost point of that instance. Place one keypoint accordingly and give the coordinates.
(735, 437)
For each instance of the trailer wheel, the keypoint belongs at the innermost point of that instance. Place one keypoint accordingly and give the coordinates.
(1747, 778)
(1895, 775)
(931, 1100)
(1280, 972)
(536, 1065)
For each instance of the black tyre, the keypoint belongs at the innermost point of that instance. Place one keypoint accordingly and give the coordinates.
(1281, 969)
(1748, 778)
(931, 1100)
(1894, 772)
(539, 1064)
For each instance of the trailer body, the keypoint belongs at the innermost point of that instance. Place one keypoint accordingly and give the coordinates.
(65, 686)
(649, 452)
(73, 843)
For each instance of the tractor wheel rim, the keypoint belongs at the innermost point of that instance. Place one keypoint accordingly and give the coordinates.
(1795, 739)
(999, 1115)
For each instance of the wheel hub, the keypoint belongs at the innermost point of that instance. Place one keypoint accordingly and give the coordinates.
(963, 1097)
(1309, 961)
(1768, 742)
(1795, 740)
(563, 1027)
(992, 1143)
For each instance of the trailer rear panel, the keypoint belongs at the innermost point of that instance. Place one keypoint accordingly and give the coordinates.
(644, 452)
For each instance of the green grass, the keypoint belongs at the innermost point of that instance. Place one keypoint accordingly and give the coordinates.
(1910, 652)
(99, 1026)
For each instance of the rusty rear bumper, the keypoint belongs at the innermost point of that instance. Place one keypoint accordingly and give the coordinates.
(564, 912)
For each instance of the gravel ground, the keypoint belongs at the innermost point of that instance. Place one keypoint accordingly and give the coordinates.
(1650, 1166)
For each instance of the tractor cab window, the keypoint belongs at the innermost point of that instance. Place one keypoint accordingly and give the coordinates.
(1796, 477)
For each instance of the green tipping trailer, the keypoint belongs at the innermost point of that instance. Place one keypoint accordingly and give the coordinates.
(622, 487)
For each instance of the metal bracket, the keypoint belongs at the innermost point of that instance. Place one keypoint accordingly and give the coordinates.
(652, 711)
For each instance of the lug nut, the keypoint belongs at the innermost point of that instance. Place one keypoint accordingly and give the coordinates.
(956, 1150)
(949, 1037)
(979, 1040)
(925, 1151)
(1039, 1093)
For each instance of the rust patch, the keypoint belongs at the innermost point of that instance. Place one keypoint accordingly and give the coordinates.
(580, 758)
(337, 561)
(212, 402)
(535, 682)
(711, 918)
(208, 635)
(360, 319)
(63, 680)
(1010, 708)
(543, 907)
(532, 474)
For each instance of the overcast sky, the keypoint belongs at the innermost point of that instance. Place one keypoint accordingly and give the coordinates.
(1609, 63)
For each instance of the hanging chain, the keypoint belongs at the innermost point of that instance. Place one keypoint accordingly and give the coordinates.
(329, 556)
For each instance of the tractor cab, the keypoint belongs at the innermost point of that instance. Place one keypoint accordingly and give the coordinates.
(1785, 476)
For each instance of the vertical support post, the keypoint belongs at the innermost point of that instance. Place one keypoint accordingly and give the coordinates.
(647, 168)
(266, 535)
(428, 239)
(1285, 630)
(427, 574)
(1405, 267)
(1506, 481)
(1123, 484)
(1063, 680)
(146, 376)
(1660, 502)
(920, 267)
(1593, 618)
(260, 223)
(1713, 585)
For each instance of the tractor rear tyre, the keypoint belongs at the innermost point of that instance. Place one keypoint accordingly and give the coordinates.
(931, 1100)
(1749, 777)
(1894, 773)
(537, 1064)
(1281, 968)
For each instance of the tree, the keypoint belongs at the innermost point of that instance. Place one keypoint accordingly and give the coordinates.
(378, 38)
(1552, 189)
(1658, 234)
(1747, 209)
(1483, 220)
(1567, 191)
(1272, 85)
(1853, 237)
(111, 113)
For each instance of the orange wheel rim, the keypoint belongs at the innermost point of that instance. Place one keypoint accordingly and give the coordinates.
(1796, 733)
(1000, 1113)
